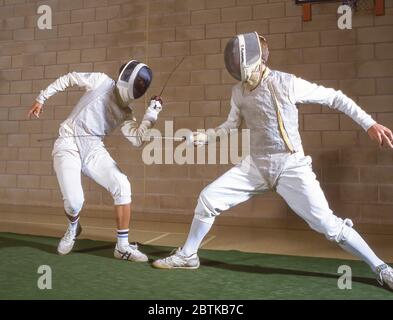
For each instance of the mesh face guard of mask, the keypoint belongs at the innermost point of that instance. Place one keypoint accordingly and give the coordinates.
(134, 80)
(243, 55)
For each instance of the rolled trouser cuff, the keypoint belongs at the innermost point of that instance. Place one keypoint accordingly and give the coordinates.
(72, 208)
(336, 229)
(204, 210)
(205, 218)
(122, 200)
(345, 230)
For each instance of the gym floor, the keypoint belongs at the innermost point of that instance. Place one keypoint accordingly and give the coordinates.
(240, 262)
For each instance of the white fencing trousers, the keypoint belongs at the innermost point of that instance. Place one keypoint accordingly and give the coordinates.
(297, 184)
(100, 167)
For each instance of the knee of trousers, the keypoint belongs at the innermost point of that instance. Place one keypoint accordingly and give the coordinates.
(339, 231)
(206, 210)
(73, 205)
(121, 190)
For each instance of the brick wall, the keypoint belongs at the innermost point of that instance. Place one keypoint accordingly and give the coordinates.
(97, 35)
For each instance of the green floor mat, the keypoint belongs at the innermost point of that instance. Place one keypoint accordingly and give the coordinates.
(91, 272)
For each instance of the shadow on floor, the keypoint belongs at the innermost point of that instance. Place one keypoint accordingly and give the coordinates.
(10, 242)
(268, 270)
(103, 249)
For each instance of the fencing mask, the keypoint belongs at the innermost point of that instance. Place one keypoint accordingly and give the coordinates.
(134, 80)
(245, 56)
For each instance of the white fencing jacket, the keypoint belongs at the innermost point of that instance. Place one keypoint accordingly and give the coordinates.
(96, 114)
(258, 108)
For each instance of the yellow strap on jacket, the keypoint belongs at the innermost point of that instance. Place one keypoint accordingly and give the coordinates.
(280, 121)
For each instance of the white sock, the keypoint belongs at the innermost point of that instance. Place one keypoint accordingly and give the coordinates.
(74, 224)
(358, 247)
(122, 238)
(198, 231)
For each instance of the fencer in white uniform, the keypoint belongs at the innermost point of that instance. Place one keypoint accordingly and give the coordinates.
(267, 101)
(105, 105)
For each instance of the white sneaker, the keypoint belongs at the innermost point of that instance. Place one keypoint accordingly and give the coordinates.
(385, 275)
(130, 253)
(67, 242)
(178, 261)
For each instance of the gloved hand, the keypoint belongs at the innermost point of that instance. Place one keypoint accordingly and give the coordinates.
(153, 109)
(199, 138)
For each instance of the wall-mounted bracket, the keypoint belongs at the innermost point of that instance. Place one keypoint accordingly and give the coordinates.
(307, 11)
(379, 7)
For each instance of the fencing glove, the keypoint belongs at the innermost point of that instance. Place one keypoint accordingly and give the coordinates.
(153, 110)
(200, 138)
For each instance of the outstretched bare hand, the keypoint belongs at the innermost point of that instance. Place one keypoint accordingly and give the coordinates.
(382, 135)
(35, 110)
